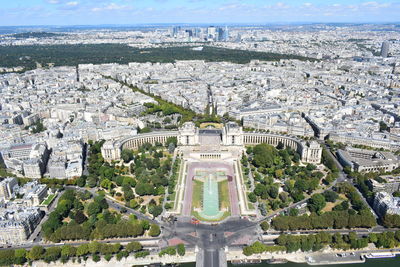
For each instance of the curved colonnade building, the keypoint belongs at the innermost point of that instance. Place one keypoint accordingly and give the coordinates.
(213, 141)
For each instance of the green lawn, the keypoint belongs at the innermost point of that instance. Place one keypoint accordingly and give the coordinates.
(223, 195)
(197, 194)
(250, 205)
(49, 199)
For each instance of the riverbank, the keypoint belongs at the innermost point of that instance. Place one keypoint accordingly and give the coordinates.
(325, 257)
(124, 262)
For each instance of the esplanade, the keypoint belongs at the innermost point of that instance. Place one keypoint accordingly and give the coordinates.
(212, 141)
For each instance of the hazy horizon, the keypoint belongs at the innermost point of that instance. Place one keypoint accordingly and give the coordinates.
(134, 12)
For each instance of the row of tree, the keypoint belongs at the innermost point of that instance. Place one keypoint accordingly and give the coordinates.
(173, 250)
(67, 252)
(332, 220)
(316, 242)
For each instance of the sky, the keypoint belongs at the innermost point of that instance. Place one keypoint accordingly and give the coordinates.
(131, 12)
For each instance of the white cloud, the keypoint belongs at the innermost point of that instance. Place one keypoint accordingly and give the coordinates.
(53, 2)
(373, 4)
(281, 5)
(111, 6)
(74, 3)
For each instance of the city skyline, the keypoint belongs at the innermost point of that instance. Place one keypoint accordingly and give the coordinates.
(131, 12)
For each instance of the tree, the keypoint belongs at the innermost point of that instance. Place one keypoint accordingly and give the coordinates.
(280, 145)
(155, 210)
(293, 212)
(94, 247)
(7, 257)
(273, 192)
(171, 140)
(36, 253)
(81, 181)
(259, 189)
(80, 217)
(171, 148)
(316, 203)
(52, 254)
(391, 221)
(133, 204)
(167, 251)
(82, 250)
(133, 246)
(107, 184)
(181, 249)
(96, 258)
(383, 126)
(68, 251)
(91, 181)
(20, 256)
(264, 226)
(144, 130)
(93, 208)
(142, 254)
(330, 196)
(122, 254)
(154, 230)
(328, 161)
(38, 127)
(252, 197)
(264, 155)
(127, 155)
(108, 257)
(100, 199)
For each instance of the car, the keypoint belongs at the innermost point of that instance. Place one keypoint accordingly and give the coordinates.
(195, 221)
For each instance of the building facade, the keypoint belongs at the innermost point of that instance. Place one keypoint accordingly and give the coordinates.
(384, 203)
(363, 160)
(17, 224)
(230, 135)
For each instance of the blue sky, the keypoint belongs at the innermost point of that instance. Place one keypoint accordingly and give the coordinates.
(91, 12)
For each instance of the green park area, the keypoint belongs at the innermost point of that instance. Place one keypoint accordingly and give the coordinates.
(28, 56)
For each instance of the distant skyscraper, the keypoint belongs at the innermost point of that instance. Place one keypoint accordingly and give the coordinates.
(211, 32)
(226, 34)
(223, 34)
(189, 32)
(220, 34)
(176, 30)
(385, 49)
(197, 32)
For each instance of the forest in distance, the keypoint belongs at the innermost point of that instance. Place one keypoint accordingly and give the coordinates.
(71, 55)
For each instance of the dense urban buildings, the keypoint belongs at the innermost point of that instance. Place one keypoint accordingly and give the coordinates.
(144, 133)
